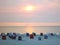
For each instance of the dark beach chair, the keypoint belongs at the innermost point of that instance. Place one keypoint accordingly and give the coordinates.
(34, 34)
(27, 34)
(7, 34)
(31, 36)
(45, 37)
(15, 34)
(3, 34)
(51, 34)
(10, 35)
(3, 37)
(41, 34)
(13, 37)
(19, 38)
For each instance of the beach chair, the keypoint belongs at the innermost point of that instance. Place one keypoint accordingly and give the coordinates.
(51, 34)
(27, 34)
(13, 37)
(10, 35)
(19, 38)
(4, 37)
(15, 34)
(31, 36)
(39, 38)
(34, 34)
(41, 34)
(3, 34)
(45, 37)
(7, 34)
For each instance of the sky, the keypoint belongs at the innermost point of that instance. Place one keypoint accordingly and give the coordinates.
(45, 11)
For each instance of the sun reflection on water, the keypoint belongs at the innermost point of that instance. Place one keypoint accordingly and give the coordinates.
(29, 29)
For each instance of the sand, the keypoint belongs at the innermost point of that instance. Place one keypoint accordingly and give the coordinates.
(52, 40)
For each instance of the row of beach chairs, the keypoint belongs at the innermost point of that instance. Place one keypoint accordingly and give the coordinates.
(31, 36)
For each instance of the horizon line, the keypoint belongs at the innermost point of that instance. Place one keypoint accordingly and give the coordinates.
(29, 23)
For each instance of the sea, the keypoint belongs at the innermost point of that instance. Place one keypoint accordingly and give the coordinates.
(30, 29)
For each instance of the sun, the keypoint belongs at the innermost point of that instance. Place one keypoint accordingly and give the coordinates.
(29, 8)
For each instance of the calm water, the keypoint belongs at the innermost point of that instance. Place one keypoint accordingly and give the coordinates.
(24, 29)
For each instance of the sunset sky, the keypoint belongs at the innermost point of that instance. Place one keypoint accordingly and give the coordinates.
(30, 11)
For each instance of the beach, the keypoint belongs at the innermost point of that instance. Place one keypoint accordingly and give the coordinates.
(51, 40)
